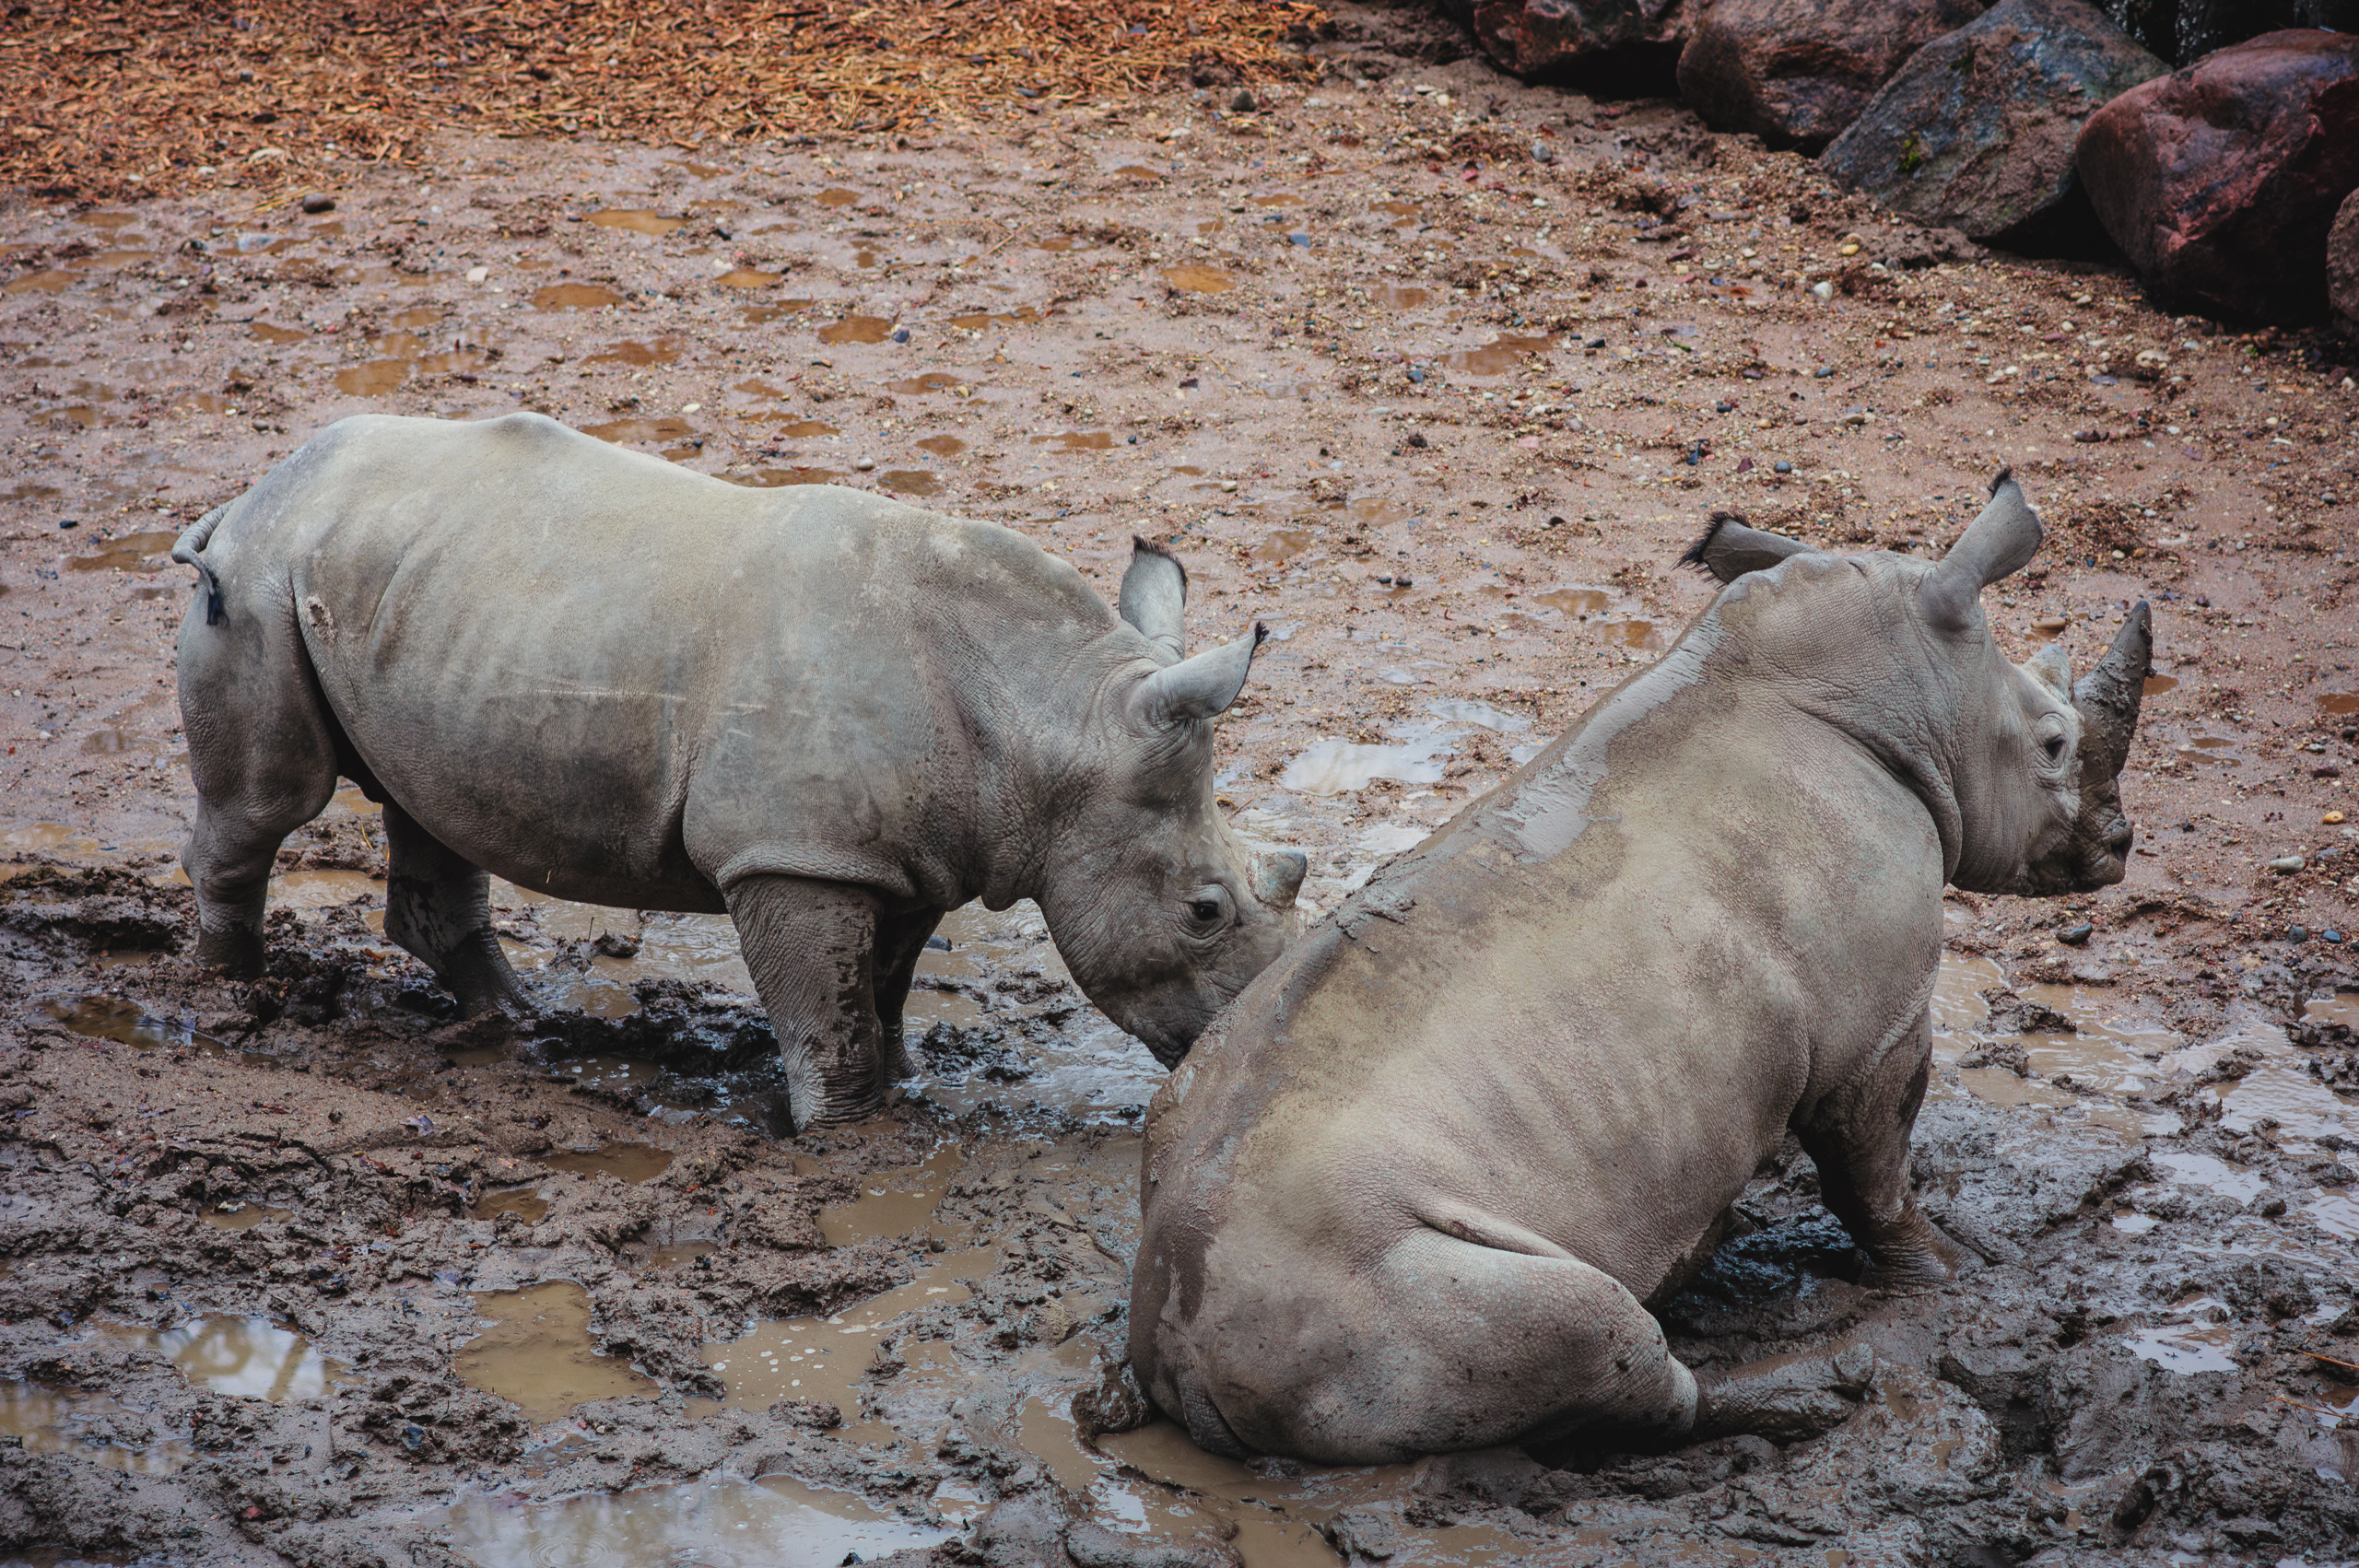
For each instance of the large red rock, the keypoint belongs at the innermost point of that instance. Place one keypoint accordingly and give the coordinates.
(1797, 72)
(2220, 181)
(1545, 38)
(2343, 264)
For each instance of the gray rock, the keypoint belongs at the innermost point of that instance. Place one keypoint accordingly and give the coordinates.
(1799, 71)
(1977, 132)
(1538, 37)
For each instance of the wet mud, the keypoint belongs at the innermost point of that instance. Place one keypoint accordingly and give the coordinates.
(308, 1270)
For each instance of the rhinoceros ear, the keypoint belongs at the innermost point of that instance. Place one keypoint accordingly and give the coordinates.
(1200, 687)
(1154, 593)
(1729, 549)
(2051, 668)
(1995, 545)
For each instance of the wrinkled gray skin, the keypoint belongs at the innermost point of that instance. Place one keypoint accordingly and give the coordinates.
(608, 679)
(1411, 1192)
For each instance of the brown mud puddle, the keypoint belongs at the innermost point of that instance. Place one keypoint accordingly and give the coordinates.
(537, 1353)
(574, 296)
(131, 552)
(857, 329)
(637, 220)
(722, 1521)
(633, 1163)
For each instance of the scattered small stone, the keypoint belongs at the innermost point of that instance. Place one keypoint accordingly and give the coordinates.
(2297, 933)
(1228, 486)
(902, 335)
(1543, 153)
(1244, 102)
(1824, 371)
(1300, 238)
(865, 463)
(1823, 290)
(1416, 372)
(2285, 865)
(1782, 466)
(1416, 438)
(1402, 579)
(69, 522)
(615, 944)
(2074, 936)
(2331, 935)
(318, 201)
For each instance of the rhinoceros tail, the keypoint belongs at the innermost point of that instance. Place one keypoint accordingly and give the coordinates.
(189, 550)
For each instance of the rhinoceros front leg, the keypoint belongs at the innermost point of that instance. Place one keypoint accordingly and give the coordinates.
(900, 942)
(1859, 1140)
(812, 948)
(438, 905)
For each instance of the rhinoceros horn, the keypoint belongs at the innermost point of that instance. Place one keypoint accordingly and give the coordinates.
(1995, 545)
(2106, 698)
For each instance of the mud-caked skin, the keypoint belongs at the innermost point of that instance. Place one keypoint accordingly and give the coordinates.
(609, 679)
(1412, 1191)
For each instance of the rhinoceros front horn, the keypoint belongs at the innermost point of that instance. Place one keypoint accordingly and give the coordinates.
(2108, 698)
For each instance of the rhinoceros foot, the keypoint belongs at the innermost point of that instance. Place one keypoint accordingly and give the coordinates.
(1785, 1397)
(236, 951)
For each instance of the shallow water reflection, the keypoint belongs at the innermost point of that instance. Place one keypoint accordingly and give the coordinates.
(718, 1522)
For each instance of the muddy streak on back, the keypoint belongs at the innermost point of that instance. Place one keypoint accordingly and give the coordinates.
(1550, 806)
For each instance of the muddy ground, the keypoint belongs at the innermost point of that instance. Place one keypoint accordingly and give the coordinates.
(1436, 373)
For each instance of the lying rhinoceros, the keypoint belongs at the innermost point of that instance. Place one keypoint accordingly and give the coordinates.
(1410, 1192)
(609, 679)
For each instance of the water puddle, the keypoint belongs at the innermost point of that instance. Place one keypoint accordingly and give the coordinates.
(49, 280)
(1139, 172)
(574, 296)
(1331, 767)
(1061, 244)
(942, 445)
(249, 1358)
(1192, 279)
(1498, 357)
(632, 1162)
(2156, 685)
(748, 277)
(825, 1358)
(932, 381)
(1283, 546)
(234, 1216)
(374, 378)
(1574, 600)
(894, 1203)
(526, 1202)
(719, 1521)
(113, 1018)
(977, 321)
(2186, 1168)
(1633, 634)
(1078, 441)
(131, 552)
(775, 311)
(2198, 1338)
(89, 1426)
(910, 482)
(663, 351)
(538, 1354)
(804, 430)
(2338, 703)
(669, 427)
(836, 198)
(323, 889)
(2210, 750)
(1395, 208)
(270, 332)
(857, 329)
(1400, 296)
(637, 220)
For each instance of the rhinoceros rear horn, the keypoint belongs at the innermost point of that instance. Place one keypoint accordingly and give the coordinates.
(1995, 545)
(1729, 549)
(2108, 698)
(1200, 687)
(1154, 593)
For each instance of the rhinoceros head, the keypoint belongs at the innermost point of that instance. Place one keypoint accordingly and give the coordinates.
(1159, 909)
(2022, 764)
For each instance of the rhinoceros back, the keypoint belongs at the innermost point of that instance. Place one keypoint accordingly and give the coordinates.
(616, 680)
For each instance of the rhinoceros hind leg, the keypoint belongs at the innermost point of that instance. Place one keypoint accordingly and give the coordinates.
(901, 939)
(1860, 1143)
(812, 948)
(438, 905)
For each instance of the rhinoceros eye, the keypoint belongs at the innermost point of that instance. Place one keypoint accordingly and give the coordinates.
(1204, 909)
(2053, 746)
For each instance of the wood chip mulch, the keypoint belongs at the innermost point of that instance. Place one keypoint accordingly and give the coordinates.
(104, 102)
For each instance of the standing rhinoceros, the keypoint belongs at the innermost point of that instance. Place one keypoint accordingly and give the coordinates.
(1409, 1193)
(609, 679)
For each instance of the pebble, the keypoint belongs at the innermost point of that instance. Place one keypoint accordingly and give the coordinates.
(2297, 933)
(2330, 935)
(1543, 153)
(2286, 864)
(1823, 372)
(2074, 936)
(865, 463)
(1824, 291)
(1416, 372)
(1417, 438)
(902, 336)
(1782, 466)
(318, 201)
(1299, 237)
(1244, 102)
(69, 522)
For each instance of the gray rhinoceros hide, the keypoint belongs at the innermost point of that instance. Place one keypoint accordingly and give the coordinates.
(610, 679)
(1411, 1192)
